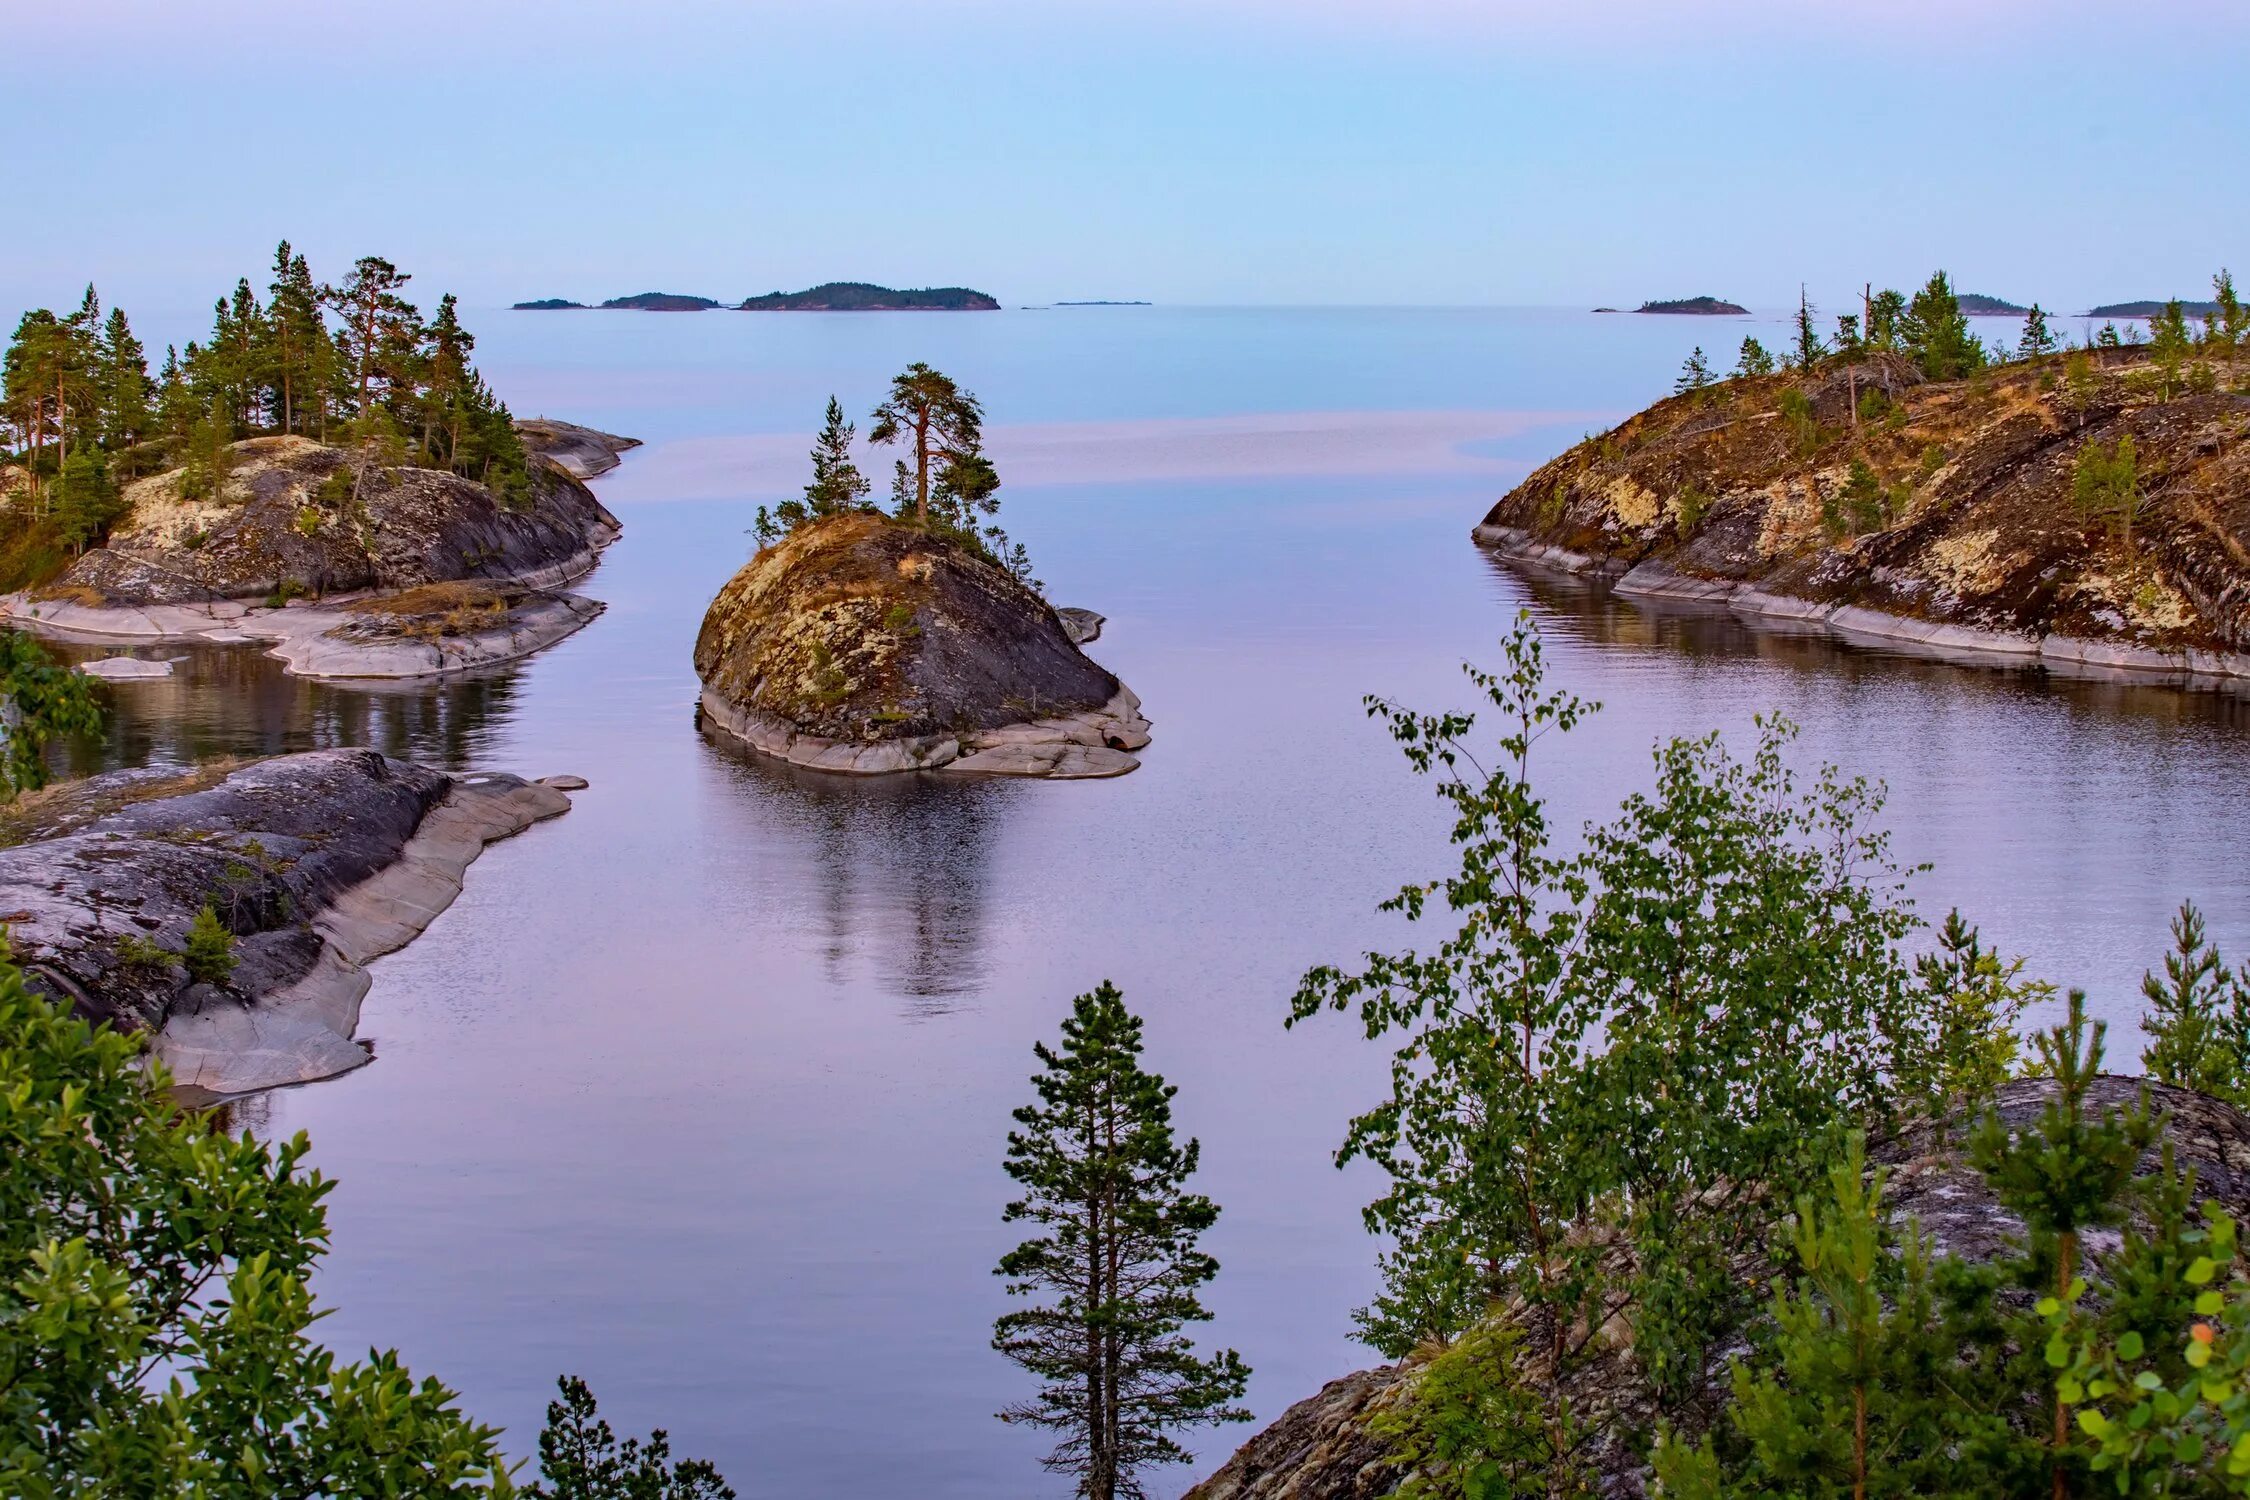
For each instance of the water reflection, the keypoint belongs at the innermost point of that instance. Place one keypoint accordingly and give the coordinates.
(236, 700)
(1590, 610)
(901, 866)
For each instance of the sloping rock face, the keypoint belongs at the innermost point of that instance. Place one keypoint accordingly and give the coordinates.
(1322, 1448)
(1980, 545)
(861, 644)
(277, 524)
(585, 451)
(314, 862)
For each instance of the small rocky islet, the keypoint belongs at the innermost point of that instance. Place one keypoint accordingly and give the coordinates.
(1948, 516)
(404, 571)
(867, 645)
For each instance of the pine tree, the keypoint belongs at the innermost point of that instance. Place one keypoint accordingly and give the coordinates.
(127, 418)
(581, 1459)
(297, 332)
(1105, 1182)
(1935, 332)
(2106, 486)
(2064, 1174)
(2198, 1017)
(936, 418)
(2035, 339)
(86, 501)
(445, 405)
(1695, 374)
(837, 484)
(1753, 360)
(381, 329)
(2231, 322)
(1810, 349)
(2169, 345)
(1864, 1388)
(1886, 319)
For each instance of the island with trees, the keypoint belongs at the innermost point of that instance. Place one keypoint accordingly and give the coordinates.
(912, 637)
(327, 472)
(1898, 477)
(660, 302)
(2154, 307)
(861, 296)
(547, 304)
(1705, 307)
(1978, 305)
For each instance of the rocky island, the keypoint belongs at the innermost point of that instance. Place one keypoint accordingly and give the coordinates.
(395, 572)
(228, 912)
(861, 296)
(2080, 509)
(861, 644)
(1706, 307)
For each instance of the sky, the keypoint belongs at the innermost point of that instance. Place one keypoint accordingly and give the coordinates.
(1435, 152)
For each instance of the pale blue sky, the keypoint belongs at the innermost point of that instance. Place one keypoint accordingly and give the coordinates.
(1278, 151)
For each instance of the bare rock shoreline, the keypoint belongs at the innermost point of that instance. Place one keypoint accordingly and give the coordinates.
(1967, 645)
(316, 863)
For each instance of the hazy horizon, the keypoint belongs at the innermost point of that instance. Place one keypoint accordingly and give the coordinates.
(1241, 152)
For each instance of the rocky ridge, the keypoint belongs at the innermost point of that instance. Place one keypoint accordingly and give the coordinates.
(1977, 550)
(315, 863)
(862, 645)
(1324, 1448)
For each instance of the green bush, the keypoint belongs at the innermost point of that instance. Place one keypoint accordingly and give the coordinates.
(210, 948)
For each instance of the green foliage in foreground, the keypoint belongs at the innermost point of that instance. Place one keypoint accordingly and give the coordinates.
(1637, 1077)
(1117, 1258)
(40, 700)
(156, 1312)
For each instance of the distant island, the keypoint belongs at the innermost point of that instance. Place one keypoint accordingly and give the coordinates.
(548, 304)
(660, 302)
(2149, 308)
(1708, 307)
(1104, 303)
(1977, 305)
(860, 296)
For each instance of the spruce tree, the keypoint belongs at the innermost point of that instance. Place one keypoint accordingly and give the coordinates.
(1753, 360)
(86, 501)
(1886, 319)
(1695, 374)
(126, 389)
(1116, 1257)
(2230, 322)
(2198, 1018)
(2106, 487)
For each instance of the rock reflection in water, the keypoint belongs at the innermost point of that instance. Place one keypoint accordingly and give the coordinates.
(902, 863)
(1590, 610)
(236, 700)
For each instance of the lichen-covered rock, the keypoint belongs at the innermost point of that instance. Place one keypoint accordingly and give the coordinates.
(279, 525)
(1323, 1449)
(314, 863)
(1972, 537)
(864, 645)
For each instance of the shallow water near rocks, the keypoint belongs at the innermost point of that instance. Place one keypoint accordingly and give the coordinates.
(700, 1091)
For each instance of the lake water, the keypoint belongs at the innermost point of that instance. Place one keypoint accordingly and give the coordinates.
(700, 1091)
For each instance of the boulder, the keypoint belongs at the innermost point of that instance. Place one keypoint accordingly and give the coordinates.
(863, 645)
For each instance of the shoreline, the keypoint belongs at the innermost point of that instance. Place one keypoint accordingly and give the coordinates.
(298, 633)
(1090, 745)
(2073, 656)
(306, 1031)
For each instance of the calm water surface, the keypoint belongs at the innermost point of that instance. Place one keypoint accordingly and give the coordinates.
(699, 1092)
